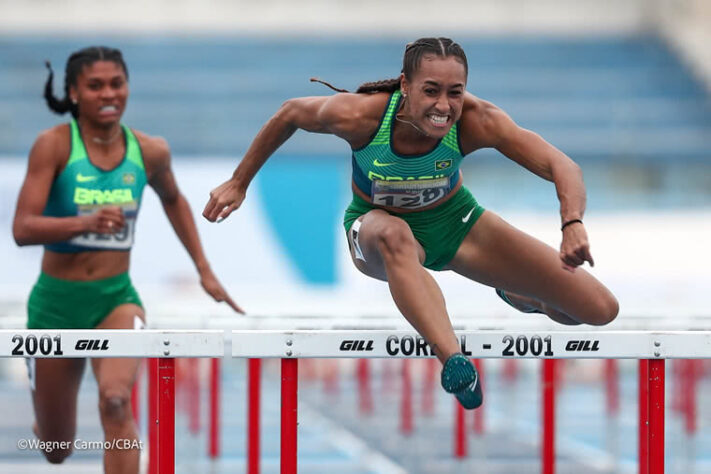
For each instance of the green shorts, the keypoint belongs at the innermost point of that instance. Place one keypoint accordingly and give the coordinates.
(440, 230)
(66, 304)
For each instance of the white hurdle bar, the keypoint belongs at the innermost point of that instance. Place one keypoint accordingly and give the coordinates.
(163, 346)
(651, 348)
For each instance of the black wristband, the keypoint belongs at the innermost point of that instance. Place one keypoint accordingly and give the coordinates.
(566, 224)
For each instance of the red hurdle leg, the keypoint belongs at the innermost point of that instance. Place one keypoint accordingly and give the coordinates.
(460, 431)
(193, 392)
(479, 412)
(166, 416)
(656, 416)
(289, 419)
(365, 398)
(691, 374)
(136, 397)
(406, 400)
(548, 451)
(253, 398)
(612, 387)
(510, 370)
(331, 377)
(153, 416)
(214, 435)
(678, 385)
(643, 435)
(429, 384)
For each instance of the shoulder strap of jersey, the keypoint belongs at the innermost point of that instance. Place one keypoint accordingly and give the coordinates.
(133, 148)
(78, 150)
(383, 135)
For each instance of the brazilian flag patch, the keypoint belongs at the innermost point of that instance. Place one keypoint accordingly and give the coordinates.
(128, 178)
(443, 164)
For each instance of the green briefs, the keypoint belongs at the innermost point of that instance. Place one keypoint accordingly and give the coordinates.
(440, 230)
(66, 304)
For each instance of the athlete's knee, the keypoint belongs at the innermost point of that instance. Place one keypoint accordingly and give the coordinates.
(603, 310)
(396, 239)
(114, 405)
(607, 310)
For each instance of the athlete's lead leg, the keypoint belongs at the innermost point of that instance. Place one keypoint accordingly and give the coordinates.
(384, 247)
(392, 254)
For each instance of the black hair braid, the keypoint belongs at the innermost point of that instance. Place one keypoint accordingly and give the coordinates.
(386, 85)
(327, 84)
(55, 105)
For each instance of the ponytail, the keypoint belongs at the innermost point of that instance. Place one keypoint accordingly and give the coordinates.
(388, 85)
(57, 106)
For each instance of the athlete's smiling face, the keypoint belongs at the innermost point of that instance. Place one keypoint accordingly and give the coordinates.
(101, 92)
(435, 94)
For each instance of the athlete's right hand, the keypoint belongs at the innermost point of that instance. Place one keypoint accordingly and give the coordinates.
(107, 220)
(223, 200)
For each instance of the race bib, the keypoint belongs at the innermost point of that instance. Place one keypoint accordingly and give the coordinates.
(120, 240)
(409, 194)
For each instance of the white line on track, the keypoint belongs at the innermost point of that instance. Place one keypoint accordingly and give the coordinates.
(352, 444)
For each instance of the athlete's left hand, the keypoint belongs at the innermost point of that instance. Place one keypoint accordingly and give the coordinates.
(212, 286)
(575, 248)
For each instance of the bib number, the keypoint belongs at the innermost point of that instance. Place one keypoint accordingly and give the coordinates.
(411, 194)
(119, 240)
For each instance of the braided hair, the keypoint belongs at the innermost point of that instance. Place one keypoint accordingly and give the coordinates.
(75, 64)
(440, 47)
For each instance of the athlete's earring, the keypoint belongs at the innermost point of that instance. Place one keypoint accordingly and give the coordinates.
(74, 101)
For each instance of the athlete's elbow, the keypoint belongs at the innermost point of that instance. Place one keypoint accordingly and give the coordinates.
(20, 234)
(296, 113)
(22, 240)
(288, 111)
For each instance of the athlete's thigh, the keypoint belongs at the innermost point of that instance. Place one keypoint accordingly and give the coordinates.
(55, 386)
(497, 254)
(367, 232)
(112, 373)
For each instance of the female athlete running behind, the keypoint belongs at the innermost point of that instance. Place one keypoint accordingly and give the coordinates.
(80, 199)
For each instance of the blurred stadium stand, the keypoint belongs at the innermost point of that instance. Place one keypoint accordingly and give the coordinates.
(626, 98)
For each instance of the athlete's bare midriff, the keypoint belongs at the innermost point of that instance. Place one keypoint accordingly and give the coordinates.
(399, 210)
(85, 266)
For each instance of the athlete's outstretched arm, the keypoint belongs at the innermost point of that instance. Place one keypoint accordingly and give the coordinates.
(29, 226)
(338, 115)
(540, 157)
(156, 153)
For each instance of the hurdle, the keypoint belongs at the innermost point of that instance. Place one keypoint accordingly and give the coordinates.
(161, 346)
(651, 348)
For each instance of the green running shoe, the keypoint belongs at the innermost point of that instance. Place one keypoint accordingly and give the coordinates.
(461, 378)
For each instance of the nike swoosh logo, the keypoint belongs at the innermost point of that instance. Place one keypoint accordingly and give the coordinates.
(83, 179)
(466, 218)
(375, 162)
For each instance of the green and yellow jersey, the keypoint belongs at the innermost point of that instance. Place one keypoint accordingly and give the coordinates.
(406, 181)
(82, 188)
